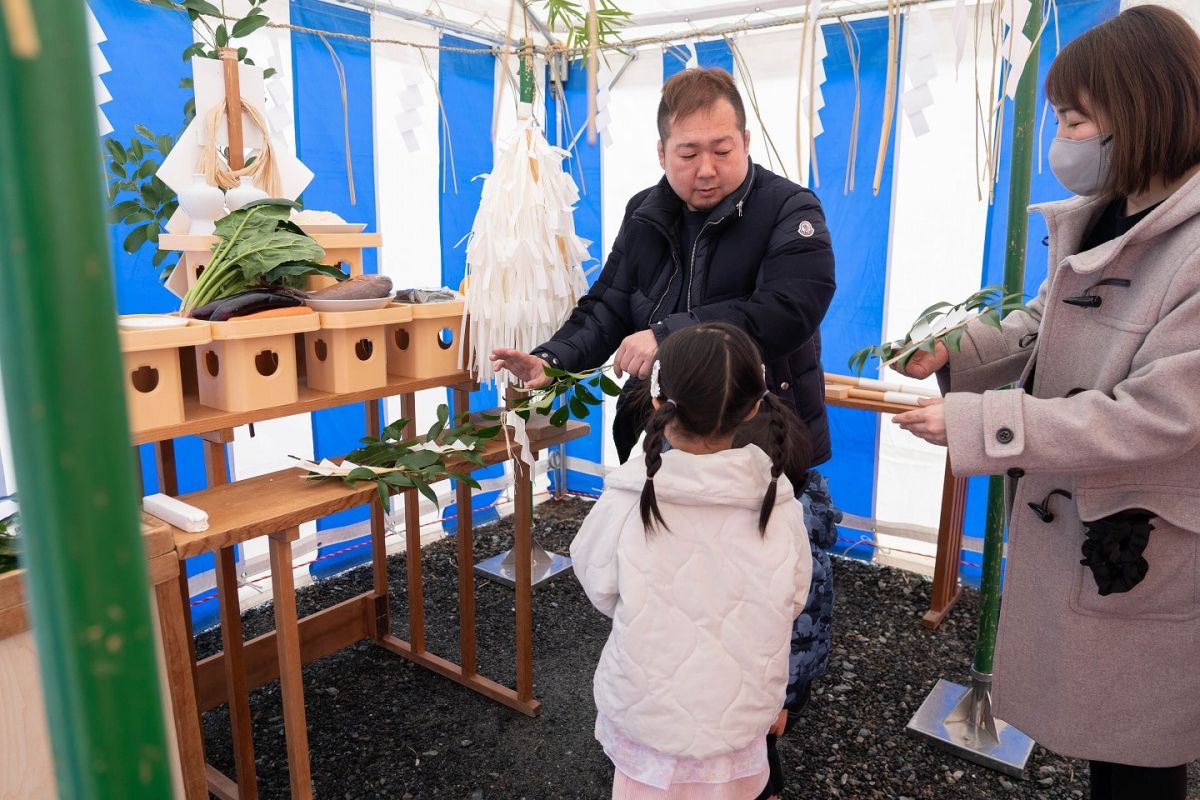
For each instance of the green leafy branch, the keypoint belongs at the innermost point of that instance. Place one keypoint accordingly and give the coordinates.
(572, 17)
(942, 322)
(396, 463)
(571, 391)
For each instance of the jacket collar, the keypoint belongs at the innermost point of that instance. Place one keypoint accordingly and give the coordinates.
(662, 206)
(1068, 222)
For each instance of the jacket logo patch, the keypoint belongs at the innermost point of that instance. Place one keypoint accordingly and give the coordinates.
(806, 229)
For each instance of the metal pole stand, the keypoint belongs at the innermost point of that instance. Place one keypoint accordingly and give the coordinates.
(502, 568)
(960, 720)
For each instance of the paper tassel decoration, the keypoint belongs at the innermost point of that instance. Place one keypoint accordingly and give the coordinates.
(921, 68)
(99, 67)
(524, 261)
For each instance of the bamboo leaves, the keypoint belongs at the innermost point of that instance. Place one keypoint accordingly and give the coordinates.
(942, 322)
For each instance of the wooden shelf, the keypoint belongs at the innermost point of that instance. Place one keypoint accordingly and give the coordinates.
(330, 241)
(202, 419)
(281, 500)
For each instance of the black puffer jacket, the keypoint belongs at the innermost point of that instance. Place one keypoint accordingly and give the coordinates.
(763, 262)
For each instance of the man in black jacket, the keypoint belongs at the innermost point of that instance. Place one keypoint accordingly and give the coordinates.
(718, 238)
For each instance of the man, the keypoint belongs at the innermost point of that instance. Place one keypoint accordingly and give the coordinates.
(718, 238)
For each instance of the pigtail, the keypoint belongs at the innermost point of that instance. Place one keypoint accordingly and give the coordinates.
(778, 450)
(653, 445)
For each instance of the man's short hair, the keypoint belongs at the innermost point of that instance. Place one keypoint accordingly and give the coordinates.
(693, 89)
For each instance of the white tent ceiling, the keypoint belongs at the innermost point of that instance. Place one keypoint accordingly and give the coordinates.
(649, 18)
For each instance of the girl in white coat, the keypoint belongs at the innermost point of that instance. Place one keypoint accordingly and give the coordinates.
(701, 558)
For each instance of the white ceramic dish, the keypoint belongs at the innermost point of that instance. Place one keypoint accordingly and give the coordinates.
(331, 306)
(346, 227)
(152, 321)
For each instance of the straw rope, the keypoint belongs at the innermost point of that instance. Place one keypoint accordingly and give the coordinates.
(263, 172)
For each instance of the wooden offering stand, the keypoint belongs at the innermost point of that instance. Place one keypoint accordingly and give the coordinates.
(946, 589)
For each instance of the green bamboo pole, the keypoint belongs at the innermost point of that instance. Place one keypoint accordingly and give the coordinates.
(86, 573)
(525, 74)
(1023, 140)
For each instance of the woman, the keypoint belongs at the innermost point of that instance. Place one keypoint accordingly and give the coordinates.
(1098, 653)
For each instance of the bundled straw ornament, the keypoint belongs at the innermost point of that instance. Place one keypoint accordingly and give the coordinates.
(524, 261)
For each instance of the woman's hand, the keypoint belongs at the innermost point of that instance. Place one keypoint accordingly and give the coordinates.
(529, 370)
(922, 365)
(927, 422)
(779, 724)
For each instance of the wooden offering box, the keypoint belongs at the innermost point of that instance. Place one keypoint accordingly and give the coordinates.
(428, 345)
(251, 363)
(349, 352)
(153, 385)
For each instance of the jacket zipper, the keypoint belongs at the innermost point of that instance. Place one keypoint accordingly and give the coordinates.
(696, 244)
(675, 256)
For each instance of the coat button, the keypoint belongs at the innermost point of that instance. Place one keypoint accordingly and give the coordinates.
(1016, 472)
(783, 387)
(1004, 436)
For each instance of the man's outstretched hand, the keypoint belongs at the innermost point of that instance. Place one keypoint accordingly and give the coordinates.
(636, 355)
(529, 370)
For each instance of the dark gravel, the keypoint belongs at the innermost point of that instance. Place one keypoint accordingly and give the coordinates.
(380, 726)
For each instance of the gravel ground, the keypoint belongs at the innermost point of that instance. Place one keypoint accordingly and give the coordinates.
(380, 726)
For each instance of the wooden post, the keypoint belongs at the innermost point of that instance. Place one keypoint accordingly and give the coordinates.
(412, 531)
(287, 642)
(381, 615)
(946, 590)
(235, 674)
(466, 561)
(233, 108)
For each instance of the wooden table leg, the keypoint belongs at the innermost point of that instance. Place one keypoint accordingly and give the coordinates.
(291, 684)
(181, 680)
(946, 588)
(382, 616)
(412, 530)
(235, 674)
(523, 555)
(465, 532)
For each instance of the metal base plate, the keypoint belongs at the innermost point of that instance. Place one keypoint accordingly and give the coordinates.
(1008, 752)
(502, 568)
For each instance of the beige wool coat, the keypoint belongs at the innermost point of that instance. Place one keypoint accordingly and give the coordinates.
(1114, 419)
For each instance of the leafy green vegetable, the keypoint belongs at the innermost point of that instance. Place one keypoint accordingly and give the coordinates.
(258, 246)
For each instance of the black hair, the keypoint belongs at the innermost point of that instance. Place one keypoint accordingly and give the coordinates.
(710, 378)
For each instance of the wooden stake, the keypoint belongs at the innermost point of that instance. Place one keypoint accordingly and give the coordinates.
(592, 67)
(233, 105)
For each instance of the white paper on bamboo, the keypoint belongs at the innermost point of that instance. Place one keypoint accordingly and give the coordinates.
(524, 261)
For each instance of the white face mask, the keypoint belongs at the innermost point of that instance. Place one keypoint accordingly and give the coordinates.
(1082, 166)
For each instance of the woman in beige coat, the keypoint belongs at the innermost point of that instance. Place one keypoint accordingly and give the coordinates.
(1098, 652)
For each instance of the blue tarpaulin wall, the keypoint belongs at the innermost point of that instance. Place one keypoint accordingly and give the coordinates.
(585, 158)
(321, 145)
(860, 223)
(142, 67)
(470, 80)
(1073, 18)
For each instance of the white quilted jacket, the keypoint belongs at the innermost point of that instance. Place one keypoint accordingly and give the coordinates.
(697, 661)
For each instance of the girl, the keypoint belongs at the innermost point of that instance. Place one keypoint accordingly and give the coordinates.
(1100, 626)
(701, 557)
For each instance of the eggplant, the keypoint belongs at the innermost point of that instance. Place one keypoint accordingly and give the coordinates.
(251, 302)
(206, 311)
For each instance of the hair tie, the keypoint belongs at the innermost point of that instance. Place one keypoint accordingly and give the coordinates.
(775, 479)
(672, 402)
(765, 395)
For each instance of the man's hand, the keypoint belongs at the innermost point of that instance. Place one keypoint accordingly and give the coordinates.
(529, 370)
(636, 355)
(922, 365)
(927, 422)
(779, 724)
